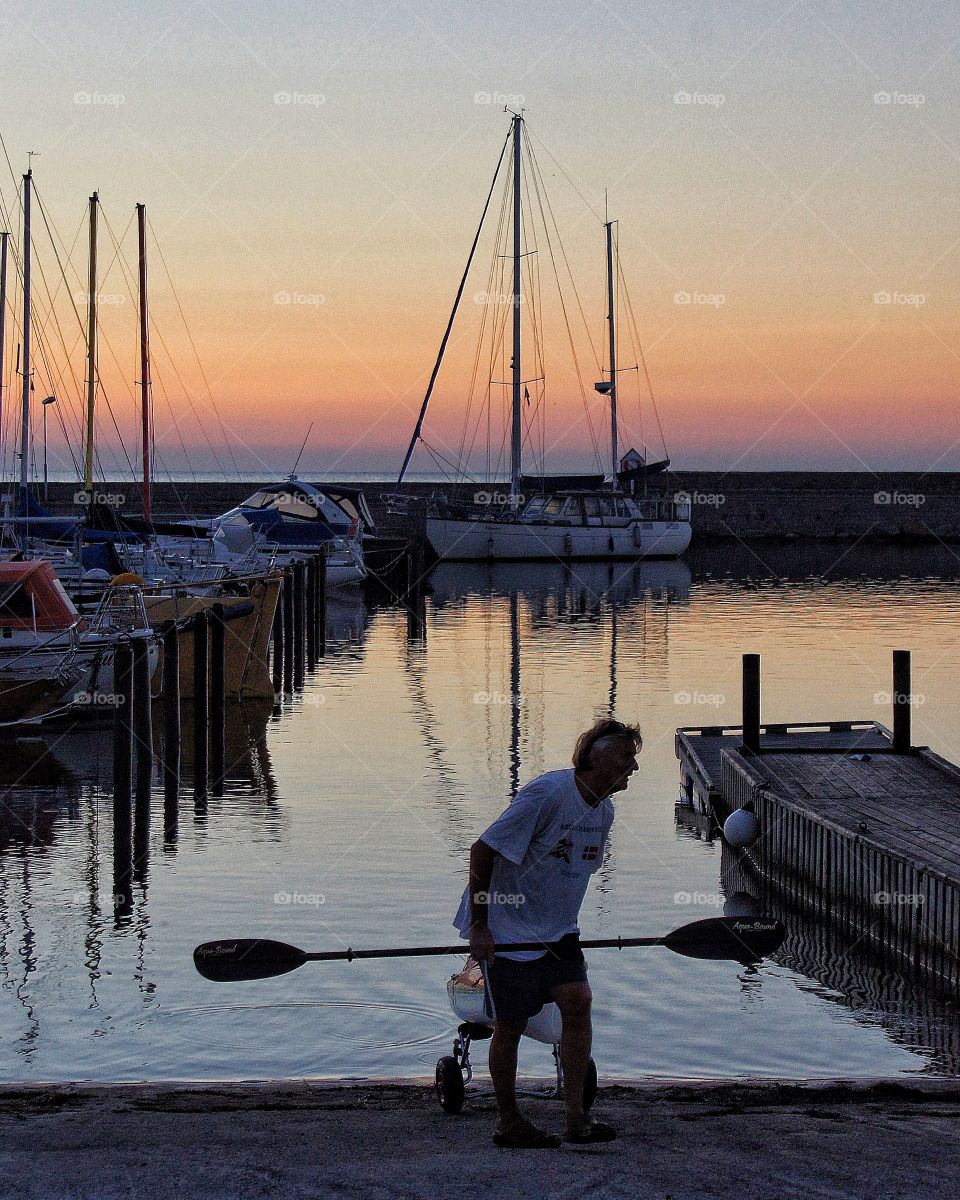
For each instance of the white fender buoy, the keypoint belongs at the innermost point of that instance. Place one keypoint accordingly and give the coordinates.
(741, 829)
(741, 904)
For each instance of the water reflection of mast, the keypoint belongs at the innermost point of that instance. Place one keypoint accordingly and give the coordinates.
(515, 695)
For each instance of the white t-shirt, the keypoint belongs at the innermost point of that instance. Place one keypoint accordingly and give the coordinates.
(548, 843)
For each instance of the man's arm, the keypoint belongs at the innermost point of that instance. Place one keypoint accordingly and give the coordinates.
(482, 858)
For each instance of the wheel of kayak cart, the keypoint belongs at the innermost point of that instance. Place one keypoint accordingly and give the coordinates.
(449, 1084)
(590, 1086)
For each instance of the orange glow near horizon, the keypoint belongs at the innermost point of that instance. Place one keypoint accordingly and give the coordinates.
(786, 233)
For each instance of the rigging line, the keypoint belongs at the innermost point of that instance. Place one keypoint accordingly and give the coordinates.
(563, 252)
(491, 317)
(196, 354)
(532, 270)
(103, 391)
(563, 171)
(566, 320)
(643, 359)
(491, 273)
(453, 313)
(54, 374)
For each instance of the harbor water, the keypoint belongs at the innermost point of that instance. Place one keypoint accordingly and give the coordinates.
(350, 807)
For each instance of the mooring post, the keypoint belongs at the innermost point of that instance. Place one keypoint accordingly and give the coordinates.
(288, 635)
(751, 703)
(322, 604)
(122, 723)
(299, 625)
(312, 564)
(218, 650)
(172, 733)
(143, 740)
(902, 700)
(201, 700)
(278, 643)
(122, 773)
(142, 715)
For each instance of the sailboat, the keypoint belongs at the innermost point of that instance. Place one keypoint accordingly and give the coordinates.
(565, 518)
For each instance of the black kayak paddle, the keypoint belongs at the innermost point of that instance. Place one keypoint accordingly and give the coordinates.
(739, 939)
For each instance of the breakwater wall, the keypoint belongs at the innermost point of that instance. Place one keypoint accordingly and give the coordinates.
(748, 506)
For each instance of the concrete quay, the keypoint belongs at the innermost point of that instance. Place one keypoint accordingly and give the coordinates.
(750, 1140)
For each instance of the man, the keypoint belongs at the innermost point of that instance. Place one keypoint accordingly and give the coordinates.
(528, 877)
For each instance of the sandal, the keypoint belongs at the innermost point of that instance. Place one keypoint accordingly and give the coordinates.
(526, 1137)
(596, 1131)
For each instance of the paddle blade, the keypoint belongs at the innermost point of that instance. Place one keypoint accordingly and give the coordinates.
(743, 939)
(246, 958)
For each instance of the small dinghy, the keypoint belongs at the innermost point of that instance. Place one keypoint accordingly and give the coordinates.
(468, 999)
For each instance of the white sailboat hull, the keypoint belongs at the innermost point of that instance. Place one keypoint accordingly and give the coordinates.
(468, 540)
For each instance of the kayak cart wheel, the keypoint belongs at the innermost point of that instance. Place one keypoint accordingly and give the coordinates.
(449, 1084)
(590, 1086)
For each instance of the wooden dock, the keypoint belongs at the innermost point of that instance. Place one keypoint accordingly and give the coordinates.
(860, 828)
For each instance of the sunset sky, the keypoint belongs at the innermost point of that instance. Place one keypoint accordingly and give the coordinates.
(792, 168)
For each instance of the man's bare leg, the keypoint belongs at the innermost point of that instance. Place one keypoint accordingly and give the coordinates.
(576, 1042)
(503, 1071)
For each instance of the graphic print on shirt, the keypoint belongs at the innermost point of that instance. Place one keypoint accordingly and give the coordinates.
(562, 849)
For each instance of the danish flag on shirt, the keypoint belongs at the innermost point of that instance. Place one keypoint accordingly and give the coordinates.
(591, 853)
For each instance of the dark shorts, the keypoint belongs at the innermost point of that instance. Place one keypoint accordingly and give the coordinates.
(519, 989)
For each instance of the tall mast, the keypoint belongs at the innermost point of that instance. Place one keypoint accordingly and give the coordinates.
(25, 405)
(91, 347)
(144, 358)
(516, 433)
(612, 332)
(4, 239)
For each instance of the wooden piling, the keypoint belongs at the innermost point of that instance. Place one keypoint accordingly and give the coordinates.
(218, 630)
(142, 714)
(299, 624)
(902, 701)
(122, 773)
(751, 703)
(322, 604)
(288, 634)
(311, 615)
(201, 700)
(278, 636)
(122, 722)
(172, 732)
(143, 743)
